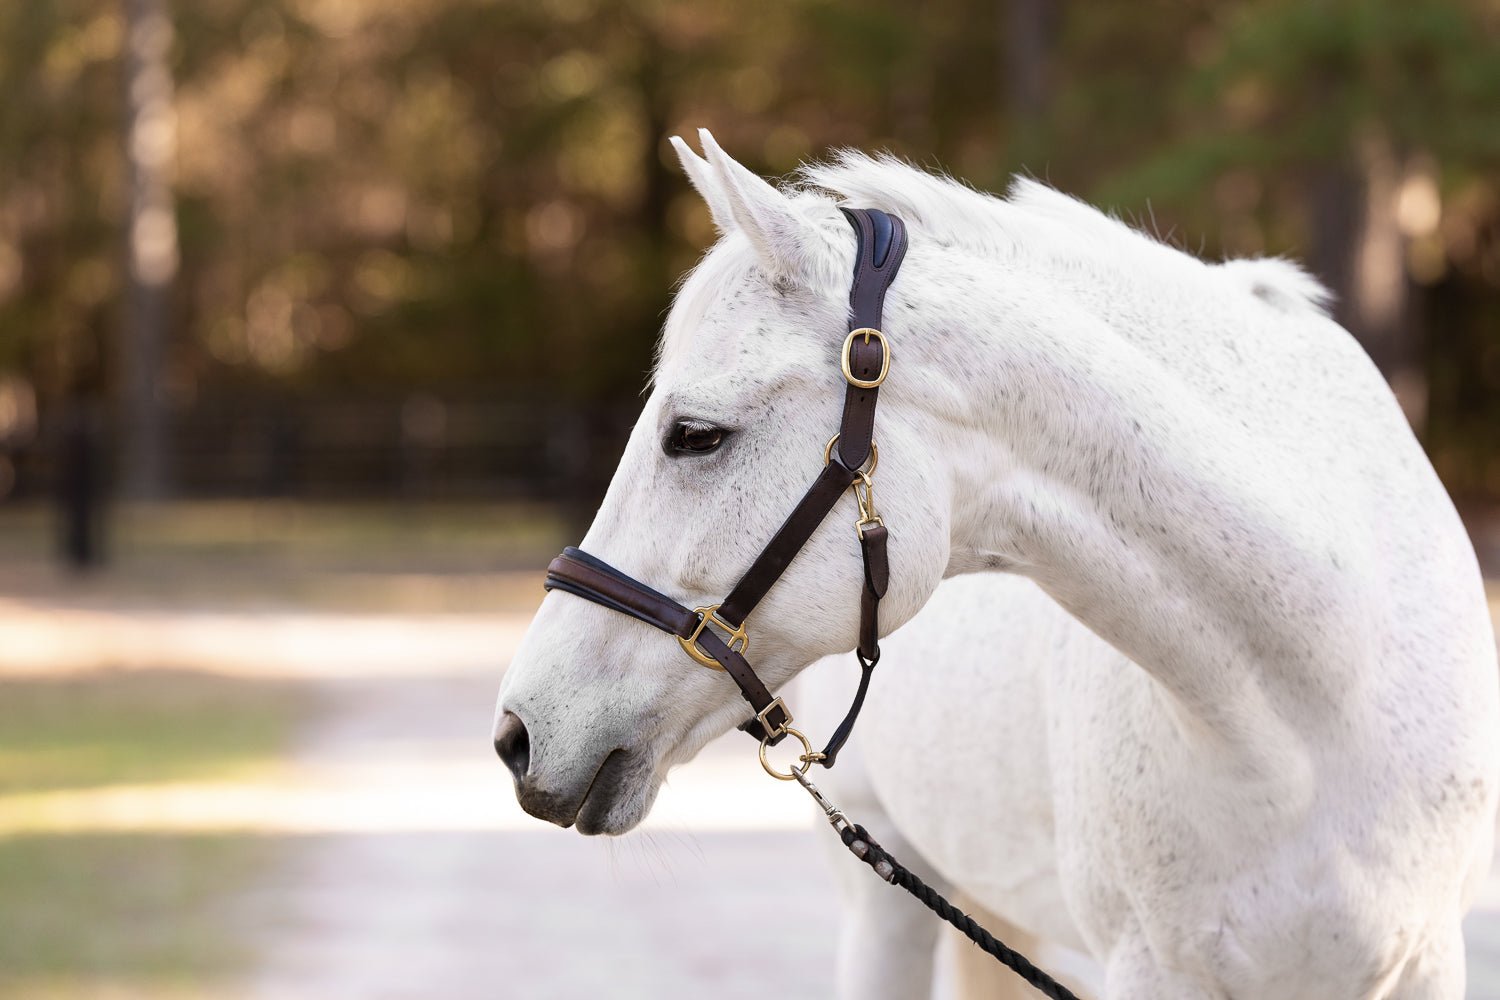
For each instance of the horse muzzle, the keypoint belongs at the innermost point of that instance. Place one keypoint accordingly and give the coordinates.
(597, 800)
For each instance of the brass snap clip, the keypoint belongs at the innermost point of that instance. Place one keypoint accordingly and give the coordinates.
(863, 486)
(865, 498)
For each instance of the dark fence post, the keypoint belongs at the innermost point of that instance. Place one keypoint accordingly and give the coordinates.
(80, 483)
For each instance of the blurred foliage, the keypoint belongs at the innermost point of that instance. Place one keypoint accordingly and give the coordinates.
(476, 196)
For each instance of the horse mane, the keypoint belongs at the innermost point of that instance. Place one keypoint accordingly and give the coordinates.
(1034, 216)
(1040, 219)
(1033, 220)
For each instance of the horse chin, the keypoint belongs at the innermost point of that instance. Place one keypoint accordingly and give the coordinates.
(619, 798)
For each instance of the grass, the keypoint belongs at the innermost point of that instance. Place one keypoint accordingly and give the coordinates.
(120, 915)
(122, 727)
(129, 915)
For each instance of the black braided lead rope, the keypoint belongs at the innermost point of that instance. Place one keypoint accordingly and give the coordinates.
(864, 847)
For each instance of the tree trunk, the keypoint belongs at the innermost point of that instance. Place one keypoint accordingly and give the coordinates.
(150, 246)
(1358, 250)
(1027, 30)
(1381, 289)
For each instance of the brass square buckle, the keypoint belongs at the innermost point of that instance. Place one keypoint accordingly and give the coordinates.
(885, 358)
(770, 729)
(709, 616)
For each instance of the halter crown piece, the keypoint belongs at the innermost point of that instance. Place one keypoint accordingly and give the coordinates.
(850, 458)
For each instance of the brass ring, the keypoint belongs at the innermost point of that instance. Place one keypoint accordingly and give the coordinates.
(885, 358)
(807, 758)
(874, 455)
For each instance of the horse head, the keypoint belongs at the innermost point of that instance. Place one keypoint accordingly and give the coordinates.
(595, 708)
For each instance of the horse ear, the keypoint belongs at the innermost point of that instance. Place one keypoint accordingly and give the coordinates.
(701, 175)
(788, 242)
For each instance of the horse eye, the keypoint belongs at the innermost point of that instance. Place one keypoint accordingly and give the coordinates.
(692, 438)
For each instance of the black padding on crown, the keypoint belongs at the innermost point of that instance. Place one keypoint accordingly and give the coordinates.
(881, 247)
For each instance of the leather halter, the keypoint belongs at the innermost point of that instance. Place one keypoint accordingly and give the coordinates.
(866, 359)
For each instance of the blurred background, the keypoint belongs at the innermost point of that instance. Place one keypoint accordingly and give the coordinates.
(322, 323)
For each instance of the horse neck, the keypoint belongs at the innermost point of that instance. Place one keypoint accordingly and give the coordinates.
(1085, 463)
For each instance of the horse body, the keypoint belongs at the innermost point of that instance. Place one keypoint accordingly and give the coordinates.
(981, 749)
(1260, 692)
(1292, 794)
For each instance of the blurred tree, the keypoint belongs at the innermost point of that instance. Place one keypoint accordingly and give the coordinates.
(448, 224)
(150, 134)
(1346, 110)
(1028, 32)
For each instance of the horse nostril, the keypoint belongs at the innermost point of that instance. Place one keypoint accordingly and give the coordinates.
(513, 745)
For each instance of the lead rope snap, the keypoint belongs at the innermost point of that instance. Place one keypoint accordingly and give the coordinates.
(835, 816)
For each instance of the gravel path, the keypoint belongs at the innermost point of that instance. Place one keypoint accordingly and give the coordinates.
(466, 897)
(518, 909)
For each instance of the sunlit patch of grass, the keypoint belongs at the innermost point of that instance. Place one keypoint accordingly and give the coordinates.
(120, 915)
(129, 915)
(132, 727)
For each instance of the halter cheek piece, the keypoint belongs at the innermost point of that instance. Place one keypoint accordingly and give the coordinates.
(849, 463)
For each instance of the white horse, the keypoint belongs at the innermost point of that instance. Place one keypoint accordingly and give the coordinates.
(1234, 730)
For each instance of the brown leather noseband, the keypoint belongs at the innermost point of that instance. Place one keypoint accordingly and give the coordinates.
(850, 460)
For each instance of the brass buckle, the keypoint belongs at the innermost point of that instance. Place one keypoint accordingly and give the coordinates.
(709, 616)
(885, 358)
(767, 726)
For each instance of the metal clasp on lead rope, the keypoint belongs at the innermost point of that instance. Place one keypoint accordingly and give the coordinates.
(836, 817)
